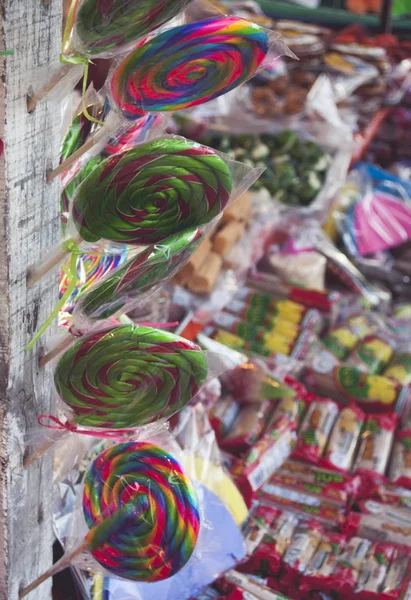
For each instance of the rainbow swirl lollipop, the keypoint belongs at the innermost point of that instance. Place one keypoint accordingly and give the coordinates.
(129, 376)
(143, 195)
(142, 512)
(188, 65)
(103, 26)
(139, 275)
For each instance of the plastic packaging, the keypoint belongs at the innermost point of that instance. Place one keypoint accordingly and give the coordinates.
(344, 438)
(139, 515)
(400, 466)
(218, 53)
(315, 430)
(381, 522)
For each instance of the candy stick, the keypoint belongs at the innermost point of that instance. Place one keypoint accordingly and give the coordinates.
(62, 345)
(142, 514)
(188, 65)
(34, 273)
(64, 562)
(73, 158)
(128, 376)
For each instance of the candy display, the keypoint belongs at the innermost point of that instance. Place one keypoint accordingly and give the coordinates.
(142, 512)
(188, 65)
(127, 376)
(152, 191)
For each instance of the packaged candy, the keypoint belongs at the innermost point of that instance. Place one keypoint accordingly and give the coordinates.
(333, 486)
(372, 354)
(340, 341)
(302, 504)
(406, 415)
(299, 554)
(373, 393)
(257, 525)
(349, 565)
(318, 575)
(400, 467)
(251, 383)
(290, 408)
(381, 522)
(267, 455)
(397, 573)
(285, 311)
(252, 585)
(344, 439)
(373, 571)
(377, 437)
(247, 427)
(315, 430)
(266, 560)
(399, 368)
(223, 414)
(396, 496)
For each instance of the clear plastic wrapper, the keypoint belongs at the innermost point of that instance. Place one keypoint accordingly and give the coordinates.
(316, 429)
(377, 438)
(344, 439)
(119, 378)
(299, 554)
(139, 516)
(400, 465)
(191, 64)
(374, 571)
(381, 522)
(319, 573)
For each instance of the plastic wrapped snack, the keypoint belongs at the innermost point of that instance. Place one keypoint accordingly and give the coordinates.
(319, 573)
(344, 439)
(349, 564)
(374, 571)
(340, 341)
(372, 354)
(377, 438)
(315, 430)
(381, 522)
(299, 554)
(400, 466)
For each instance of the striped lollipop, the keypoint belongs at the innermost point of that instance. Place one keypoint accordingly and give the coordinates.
(129, 376)
(103, 26)
(188, 65)
(139, 275)
(143, 195)
(142, 512)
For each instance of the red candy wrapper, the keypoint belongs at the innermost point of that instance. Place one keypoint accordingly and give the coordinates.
(265, 457)
(396, 496)
(298, 556)
(247, 427)
(381, 522)
(374, 571)
(266, 560)
(344, 439)
(233, 582)
(400, 467)
(315, 430)
(348, 566)
(257, 525)
(396, 579)
(319, 573)
(338, 488)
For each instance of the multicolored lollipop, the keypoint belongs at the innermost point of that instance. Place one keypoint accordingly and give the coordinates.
(142, 512)
(143, 195)
(128, 376)
(139, 275)
(102, 26)
(188, 65)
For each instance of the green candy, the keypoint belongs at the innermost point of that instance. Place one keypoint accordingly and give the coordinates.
(143, 195)
(129, 376)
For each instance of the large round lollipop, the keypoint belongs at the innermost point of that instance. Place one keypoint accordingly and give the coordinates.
(102, 26)
(139, 275)
(188, 65)
(129, 376)
(142, 512)
(143, 195)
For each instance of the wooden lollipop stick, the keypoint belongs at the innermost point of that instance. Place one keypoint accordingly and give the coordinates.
(59, 347)
(69, 162)
(32, 101)
(60, 565)
(35, 273)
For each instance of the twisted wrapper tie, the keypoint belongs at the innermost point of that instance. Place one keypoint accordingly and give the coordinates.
(188, 65)
(116, 434)
(102, 27)
(128, 376)
(139, 275)
(143, 195)
(142, 512)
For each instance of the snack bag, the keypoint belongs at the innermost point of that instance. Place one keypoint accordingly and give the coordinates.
(340, 341)
(372, 354)
(396, 576)
(344, 439)
(373, 571)
(400, 467)
(381, 522)
(349, 565)
(223, 414)
(315, 430)
(298, 556)
(318, 575)
(399, 368)
(247, 427)
(257, 525)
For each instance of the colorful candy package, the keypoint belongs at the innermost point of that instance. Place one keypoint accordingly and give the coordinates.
(348, 566)
(318, 575)
(400, 466)
(247, 427)
(315, 430)
(374, 571)
(381, 522)
(344, 439)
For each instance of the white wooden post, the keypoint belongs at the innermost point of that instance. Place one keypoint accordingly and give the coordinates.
(29, 226)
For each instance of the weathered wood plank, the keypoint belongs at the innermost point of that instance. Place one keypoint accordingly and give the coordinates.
(28, 227)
